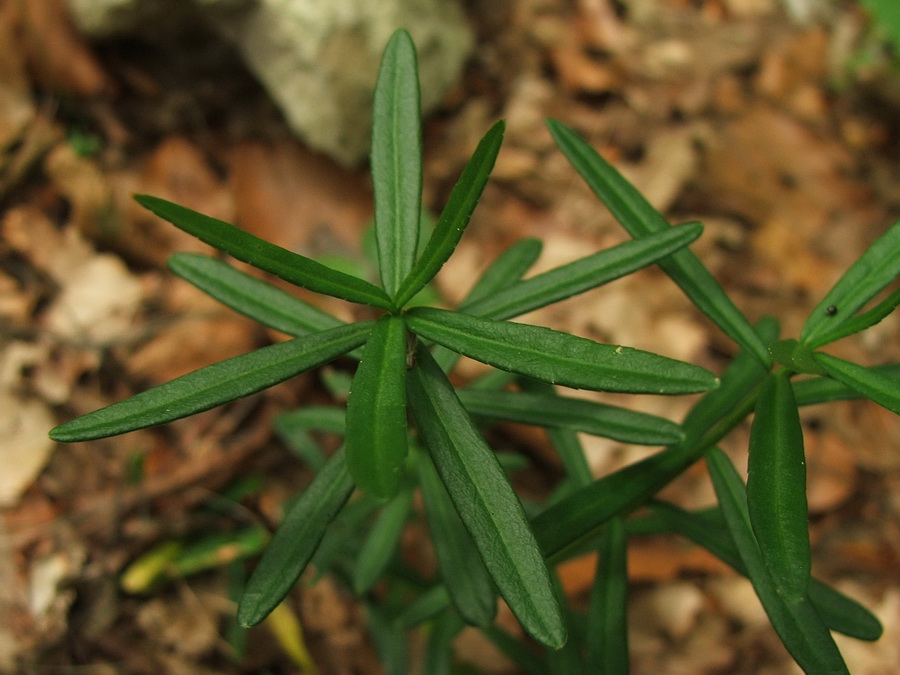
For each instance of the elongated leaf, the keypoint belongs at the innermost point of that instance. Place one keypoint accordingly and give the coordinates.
(814, 390)
(873, 271)
(425, 607)
(376, 411)
(796, 621)
(455, 217)
(462, 570)
(381, 542)
(584, 274)
(776, 487)
(216, 384)
(397, 160)
(860, 322)
(438, 657)
(795, 356)
(607, 629)
(485, 501)
(251, 297)
(874, 385)
(297, 269)
(296, 541)
(510, 266)
(640, 219)
(598, 419)
(558, 358)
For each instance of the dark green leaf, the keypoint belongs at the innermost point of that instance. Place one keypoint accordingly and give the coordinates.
(598, 419)
(216, 384)
(381, 541)
(795, 620)
(397, 160)
(376, 411)
(438, 656)
(607, 629)
(883, 389)
(516, 651)
(795, 356)
(510, 266)
(296, 540)
(456, 215)
(251, 297)
(860, 322)
(776, 487)
(485, 501)
(426, 606)
(583, 274)
(297, 269)
(814, 390)
(872, 272)
(463, 572)
(558, 358)
(640, 219)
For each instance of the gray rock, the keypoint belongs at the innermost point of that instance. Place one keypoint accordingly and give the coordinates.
(317, 59)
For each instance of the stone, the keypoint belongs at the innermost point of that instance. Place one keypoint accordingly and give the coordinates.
(318, 60)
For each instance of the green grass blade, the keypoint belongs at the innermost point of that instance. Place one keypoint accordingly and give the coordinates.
(584, 274)
(875, 385)
(296, 541)
(376, 411)
(607, 628)
(776, 487)
(589, 417)
(397, 160)
(796, 621)
(485, 501)
(292, 267)
(381, 542)
(815, 390)
(860, 322)
(456, 215)
(464, 574)
(640, 219)
(216, 384)
(878, 267)
(558, 358)
(510, 266)
(251, 297)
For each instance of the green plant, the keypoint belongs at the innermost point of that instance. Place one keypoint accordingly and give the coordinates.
(485, 539)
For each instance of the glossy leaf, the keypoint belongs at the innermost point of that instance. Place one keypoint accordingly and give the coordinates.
(216, 384)
(376, 411)
(776, 487)
(510, 266)
(251, 297)
(637, 216)
(558, 358)
(878, 267)
(607, 622)
(485, 501)
(381, 541)
(859, 322)
(883, 389)
(296, 541)
(583, 274)
(599, 419)
(464, 574)
(796, 621)
(397, 160)
(456, 215)
(292, 267)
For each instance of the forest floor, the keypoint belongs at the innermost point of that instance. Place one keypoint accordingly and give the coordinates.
(776, 133)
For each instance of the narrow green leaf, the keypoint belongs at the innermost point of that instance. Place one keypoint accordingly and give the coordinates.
(376, 411)
(251, 297)
(397, 160)
(883, 389)
(216, 384)
(427, 605)
(485, 501)
(590, 417)
(795, 356)
(859, 322)
(607, 628)
(296, 541)
(776, 487)
(456, 215)
(878, 267)
(796, 621)
(584, 274)
(293, 429)
(558, 358)
(815, 390)
(292, 267)
(438, 656)
(462, 570)
(381, 541)
(510, 266)
(640, 219)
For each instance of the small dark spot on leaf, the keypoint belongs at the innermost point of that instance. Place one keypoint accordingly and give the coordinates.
(831, 310)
